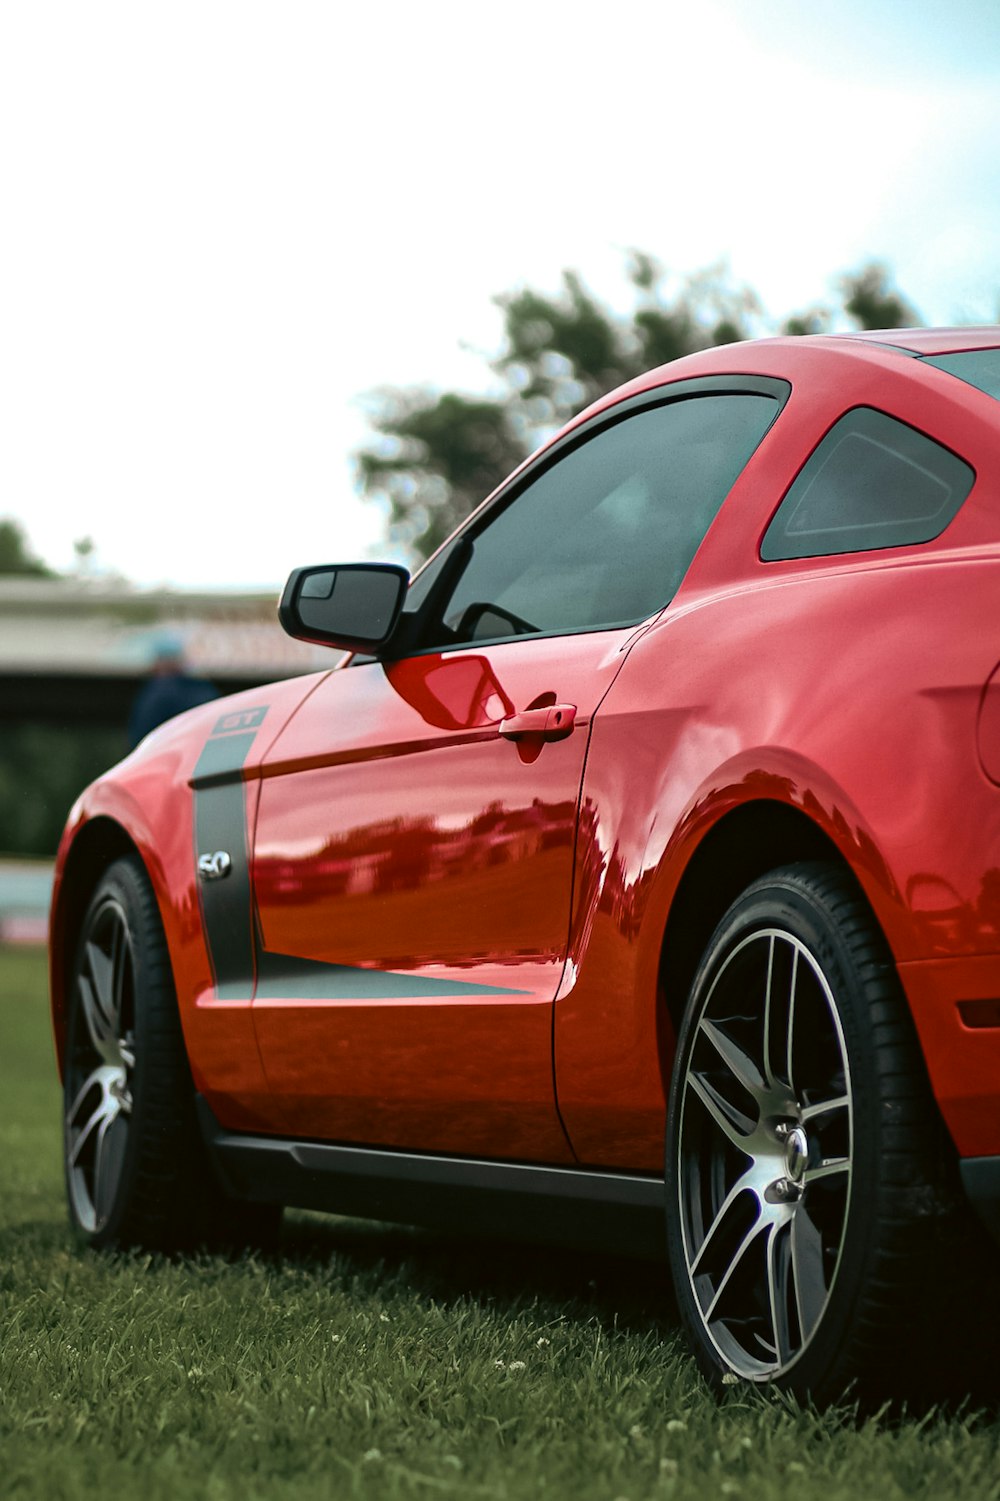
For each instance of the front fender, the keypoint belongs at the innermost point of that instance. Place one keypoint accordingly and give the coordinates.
(144, 806)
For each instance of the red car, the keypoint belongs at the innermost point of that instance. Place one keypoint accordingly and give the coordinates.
(662, 805)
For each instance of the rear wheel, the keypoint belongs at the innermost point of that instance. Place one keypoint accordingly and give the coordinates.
(136, 1169)
(805, 1162)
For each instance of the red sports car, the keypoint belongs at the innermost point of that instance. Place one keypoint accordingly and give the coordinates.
(633, 881)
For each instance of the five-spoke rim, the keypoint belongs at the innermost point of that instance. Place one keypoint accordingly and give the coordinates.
(764, 1153)
(100, 1066)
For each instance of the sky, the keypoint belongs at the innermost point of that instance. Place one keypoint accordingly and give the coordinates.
(224, 223)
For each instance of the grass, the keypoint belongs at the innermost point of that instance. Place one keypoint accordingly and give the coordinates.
(373, 1362)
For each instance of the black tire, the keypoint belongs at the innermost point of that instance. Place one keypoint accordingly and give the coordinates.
(137, 1174)
(808, 1175)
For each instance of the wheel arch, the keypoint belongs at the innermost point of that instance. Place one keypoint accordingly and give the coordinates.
(740, 847)
(98, 844)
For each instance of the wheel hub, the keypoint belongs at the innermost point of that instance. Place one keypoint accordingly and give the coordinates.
(787, 1186)
(796, 1154)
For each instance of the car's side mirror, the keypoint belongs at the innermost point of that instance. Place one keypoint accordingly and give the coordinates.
(351, 605)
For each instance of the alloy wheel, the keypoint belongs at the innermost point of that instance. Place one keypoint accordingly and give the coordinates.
(764, 1153)
(100, 1066)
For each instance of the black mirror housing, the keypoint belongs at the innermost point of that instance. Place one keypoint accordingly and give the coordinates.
(351, 605)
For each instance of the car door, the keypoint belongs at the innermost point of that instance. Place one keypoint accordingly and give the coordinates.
(413, 858)
(420, 862)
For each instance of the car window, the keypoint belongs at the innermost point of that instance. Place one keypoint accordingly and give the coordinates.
(872, 482)
(605, 535)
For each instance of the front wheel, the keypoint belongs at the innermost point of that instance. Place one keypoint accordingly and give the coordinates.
(136, 1169)
(803, 1148)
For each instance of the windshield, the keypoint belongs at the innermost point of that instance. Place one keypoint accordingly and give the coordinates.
(977, 367)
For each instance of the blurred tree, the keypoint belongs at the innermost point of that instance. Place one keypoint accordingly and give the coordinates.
(436, 456)
(871, 302)
(563, 352)
(815, 320)
(43, 768)
(16, 556)
(83, 555)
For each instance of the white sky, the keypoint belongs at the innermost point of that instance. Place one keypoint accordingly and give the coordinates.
(223, 222)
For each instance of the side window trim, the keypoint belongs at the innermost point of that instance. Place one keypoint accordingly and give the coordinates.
(658, 396)
(669, 394)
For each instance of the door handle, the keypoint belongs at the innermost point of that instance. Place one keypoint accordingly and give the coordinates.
(552, 722)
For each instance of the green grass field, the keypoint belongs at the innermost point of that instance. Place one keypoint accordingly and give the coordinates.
(374, 1362)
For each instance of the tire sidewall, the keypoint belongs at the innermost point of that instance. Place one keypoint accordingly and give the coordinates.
(123, 884)
(783, 901)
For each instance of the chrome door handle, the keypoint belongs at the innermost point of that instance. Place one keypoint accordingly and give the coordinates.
(553, 722)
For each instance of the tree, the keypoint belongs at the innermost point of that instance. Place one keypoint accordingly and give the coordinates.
(562, 352)
(84, 551)
(435, 456)
(871, 302)
(16, 556)
(43, 768)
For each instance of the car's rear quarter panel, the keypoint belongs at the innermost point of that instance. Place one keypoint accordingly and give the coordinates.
(846, 689)
(821, 697)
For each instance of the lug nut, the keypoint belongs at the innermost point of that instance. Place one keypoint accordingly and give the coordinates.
(784, 1191)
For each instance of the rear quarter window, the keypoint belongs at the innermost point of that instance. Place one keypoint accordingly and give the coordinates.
(872, 482)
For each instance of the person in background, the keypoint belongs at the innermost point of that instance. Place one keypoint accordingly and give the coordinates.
(170, 690)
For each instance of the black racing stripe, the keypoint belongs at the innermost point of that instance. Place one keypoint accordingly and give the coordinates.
(222, 759)
(220, 824)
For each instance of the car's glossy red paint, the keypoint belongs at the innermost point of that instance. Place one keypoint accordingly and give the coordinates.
(419, 841)
(836, 702)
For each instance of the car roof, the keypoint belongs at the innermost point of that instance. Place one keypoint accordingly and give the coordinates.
(786, 356)
(789, 355)
(931, 340)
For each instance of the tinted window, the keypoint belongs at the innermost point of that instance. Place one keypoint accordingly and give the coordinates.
(604, 537)
(977, 367)
(872, 482)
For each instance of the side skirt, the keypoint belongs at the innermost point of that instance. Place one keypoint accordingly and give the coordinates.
(624, 1213)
